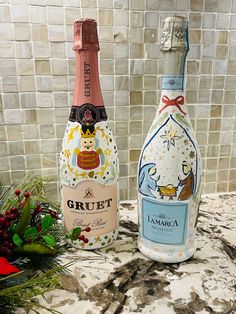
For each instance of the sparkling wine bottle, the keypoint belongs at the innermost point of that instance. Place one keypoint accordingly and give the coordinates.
(89, 158)
(169, 171)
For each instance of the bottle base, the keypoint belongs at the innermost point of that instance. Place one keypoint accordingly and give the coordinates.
(96, 242)
(174, 257)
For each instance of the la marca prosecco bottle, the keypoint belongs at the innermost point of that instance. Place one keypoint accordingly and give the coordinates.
(169, 169)
(89, 159)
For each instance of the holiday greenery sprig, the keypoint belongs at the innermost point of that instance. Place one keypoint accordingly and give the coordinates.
(26, 228)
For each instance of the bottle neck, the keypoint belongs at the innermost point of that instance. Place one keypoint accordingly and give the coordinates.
(87, 85)
(173, 70)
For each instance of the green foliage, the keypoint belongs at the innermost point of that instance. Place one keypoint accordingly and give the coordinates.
(24, 218)
(30, 232)
(35, 248)
(47, 222)
(50, 240)
(73, 234)
(21, 289)
(17, 240)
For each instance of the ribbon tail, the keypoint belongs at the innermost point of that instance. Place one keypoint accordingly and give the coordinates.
(178, 106)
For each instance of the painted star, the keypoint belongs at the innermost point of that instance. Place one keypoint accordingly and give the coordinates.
(191, 154)
(186, 142)
(97, 239)
(170, 137)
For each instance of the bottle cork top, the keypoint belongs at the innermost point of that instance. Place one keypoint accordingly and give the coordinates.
(175, 34)
(85, 35)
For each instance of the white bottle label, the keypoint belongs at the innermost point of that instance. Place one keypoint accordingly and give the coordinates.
(164, 223)
(93, 205)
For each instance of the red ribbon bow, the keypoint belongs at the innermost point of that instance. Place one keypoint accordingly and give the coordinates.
(177, 102)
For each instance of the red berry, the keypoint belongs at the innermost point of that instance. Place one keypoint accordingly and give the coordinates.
(17, 192)
(85, 240)
(38, 209)
(82, 237)
(8, 212)
(12, 216)
(14, 210)
(53, 214)
(8, 252)
(7, 224)
(4, 235)
(87, 229)
(2, 221)
(9, 245)
(27, 194)
(39, 227)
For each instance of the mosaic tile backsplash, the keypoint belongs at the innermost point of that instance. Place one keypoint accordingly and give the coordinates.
(37, 68)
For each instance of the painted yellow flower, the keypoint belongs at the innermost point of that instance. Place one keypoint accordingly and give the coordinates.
(67, 153)
(107, 152)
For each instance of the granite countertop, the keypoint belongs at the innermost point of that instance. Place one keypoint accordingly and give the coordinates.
(119, 279)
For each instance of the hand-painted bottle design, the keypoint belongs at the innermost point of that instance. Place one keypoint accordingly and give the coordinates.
(89, 160)
(169, 171)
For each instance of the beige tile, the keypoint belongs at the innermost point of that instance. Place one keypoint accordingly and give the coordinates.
(221, 52)
(120, 4)
(41, 49)
(150, 98)
(222, 21)
(161, 5)
(30, 116)
(229, 97)
(20, 13)
(23, 50)
(5, 13)
(49, 161)
(11, 100)
(195, 20)
(121, 18)
(59, 67)
(231, 67)
(56, 33)
(10, 84)
(120, 34)
(72, 14)
(136, 98)
(136, 19)
(151, 19)
(33, 162)
(121, 128)
(38, 14)
(28, 100)
(222, 38)
(32, 147)
(122, 98)
(25, 67)
(17, 162)
(30, 132)
(39, 32)
(209, 21)
(55, 15)
(105, 17)
(4, 164)
(196, 5)
(134, 155)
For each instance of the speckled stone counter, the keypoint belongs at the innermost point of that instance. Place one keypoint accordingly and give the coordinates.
(119, 279)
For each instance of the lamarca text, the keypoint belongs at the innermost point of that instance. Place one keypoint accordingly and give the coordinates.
(165, 223)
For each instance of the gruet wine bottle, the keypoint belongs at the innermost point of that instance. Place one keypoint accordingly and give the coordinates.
(89, 159)
(169, 171)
